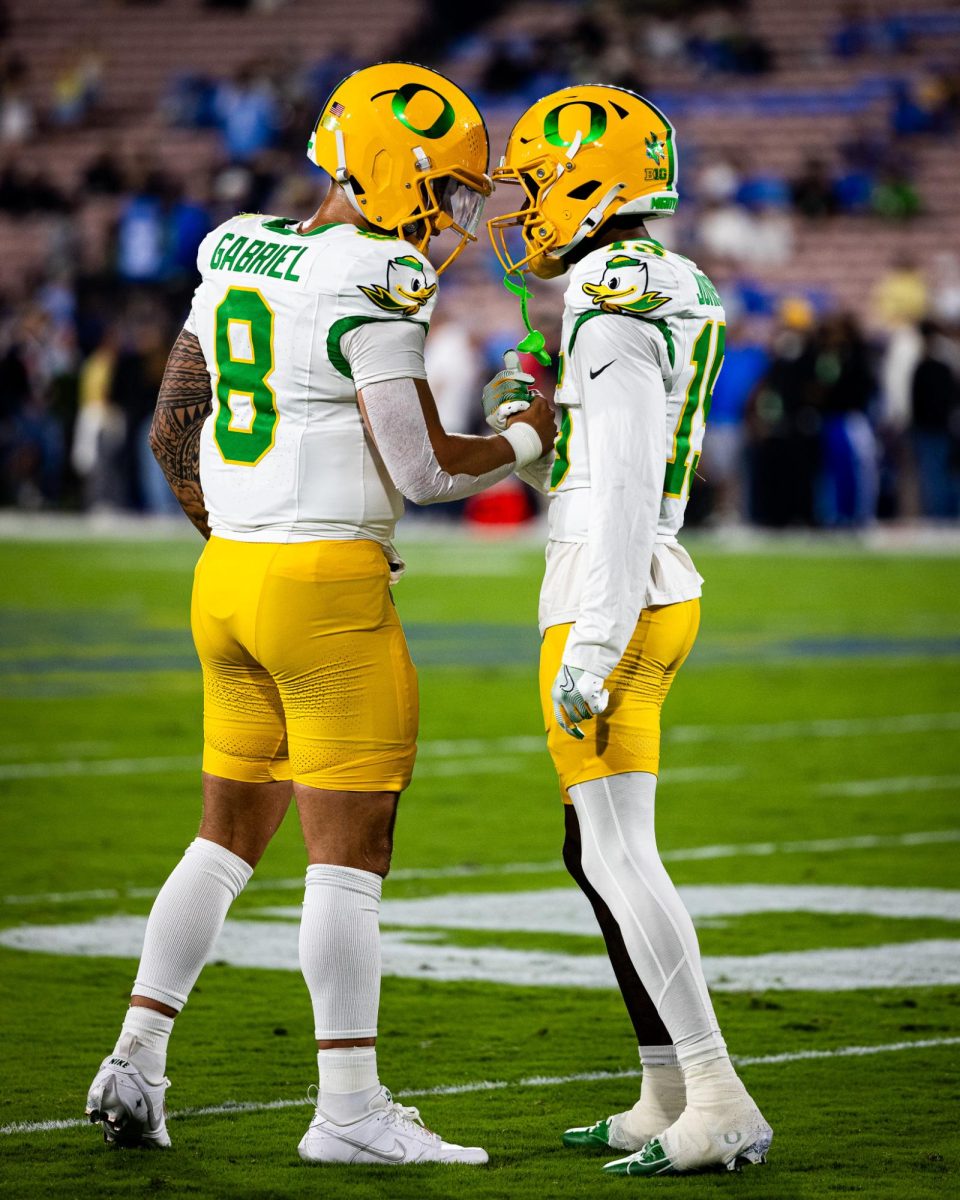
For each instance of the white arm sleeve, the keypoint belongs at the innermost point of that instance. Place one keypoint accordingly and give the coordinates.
(400, 432)
(385, 349)
(625, 420)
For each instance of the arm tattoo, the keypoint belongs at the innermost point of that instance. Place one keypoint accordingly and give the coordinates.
(184, 403)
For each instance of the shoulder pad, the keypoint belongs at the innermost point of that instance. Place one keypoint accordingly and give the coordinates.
(630, 278)
(387, 276)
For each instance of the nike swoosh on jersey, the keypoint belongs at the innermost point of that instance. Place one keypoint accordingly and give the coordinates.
(600, 370)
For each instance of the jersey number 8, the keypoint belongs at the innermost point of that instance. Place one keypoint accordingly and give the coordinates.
(246, 423)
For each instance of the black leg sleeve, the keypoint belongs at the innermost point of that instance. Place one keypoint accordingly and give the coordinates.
(650, 1030)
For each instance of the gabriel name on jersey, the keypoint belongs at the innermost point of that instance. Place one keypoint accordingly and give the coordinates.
(656, 316)
(284, 455)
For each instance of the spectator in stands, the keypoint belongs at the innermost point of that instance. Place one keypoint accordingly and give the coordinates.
(137, 374)
(29, 193)
(32, 438)
(247, 114)
(16, 112)
(945, 289)
(935, 425)
(99, 434)
(76, 89)
(721, 43)
(104, 174)
(900, 296)
(783, 426)
(812, 191)
(859, 34)
(921, 105)
(746, 361)
(845, 386)
(894, 196)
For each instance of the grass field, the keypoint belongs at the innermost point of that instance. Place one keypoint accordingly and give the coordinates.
(808, 808)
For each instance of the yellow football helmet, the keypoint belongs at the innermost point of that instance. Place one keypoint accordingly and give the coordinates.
(409, 149)
(581, 156)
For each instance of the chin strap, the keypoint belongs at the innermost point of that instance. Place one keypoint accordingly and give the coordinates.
(342, 175)
(591, 220)
(534, 343)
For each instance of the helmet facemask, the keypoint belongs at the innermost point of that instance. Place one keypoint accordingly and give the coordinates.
(450, 200)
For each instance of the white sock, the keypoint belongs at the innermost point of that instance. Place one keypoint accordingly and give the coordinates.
(185, 920)
(340, 950)
(143, 1041)
(713, 1086)
(621, 861)
(663, 1096)
(348, 1082)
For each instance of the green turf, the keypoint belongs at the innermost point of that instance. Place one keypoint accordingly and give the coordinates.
(97, 675)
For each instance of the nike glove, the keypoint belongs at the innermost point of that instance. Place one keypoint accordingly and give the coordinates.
(507, 393)
(577, 696)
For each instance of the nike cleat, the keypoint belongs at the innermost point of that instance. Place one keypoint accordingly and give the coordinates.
(612, 1133)
(657, 1108)
(692, 1144)
(388, 1134)
(130, 1109)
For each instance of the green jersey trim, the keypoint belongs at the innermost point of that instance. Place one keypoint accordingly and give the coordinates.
(660, 325)
(665, 333)
(339, 330)
(594, 312)
(282, 225)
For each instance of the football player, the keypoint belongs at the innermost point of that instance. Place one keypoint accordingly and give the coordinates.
(293, 416)
(642, 342)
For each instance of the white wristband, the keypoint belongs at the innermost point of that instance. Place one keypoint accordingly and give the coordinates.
(525, 442)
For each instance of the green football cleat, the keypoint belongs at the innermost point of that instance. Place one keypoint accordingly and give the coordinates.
(730, 1151)
(653, 1160)
(590, 1137)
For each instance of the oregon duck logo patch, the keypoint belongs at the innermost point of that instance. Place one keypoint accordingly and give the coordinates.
(623, 288)
(406, 290)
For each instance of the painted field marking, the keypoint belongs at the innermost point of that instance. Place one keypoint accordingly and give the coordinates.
(496, 1085)
(890, 786)
(469, 748)
(551, 867)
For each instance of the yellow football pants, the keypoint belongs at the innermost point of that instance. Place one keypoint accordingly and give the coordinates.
(627, 736)
(306, 673)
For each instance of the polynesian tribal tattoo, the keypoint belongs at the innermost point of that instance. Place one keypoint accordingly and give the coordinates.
(183, 405)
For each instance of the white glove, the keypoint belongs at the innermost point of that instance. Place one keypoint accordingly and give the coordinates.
(577, 696)
(507, 393)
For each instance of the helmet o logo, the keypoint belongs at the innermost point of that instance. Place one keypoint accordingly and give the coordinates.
(598, 123)
(401, 99)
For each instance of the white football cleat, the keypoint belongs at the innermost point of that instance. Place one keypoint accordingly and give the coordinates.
(389, 1133)
(130, 1109)
(702, 1141)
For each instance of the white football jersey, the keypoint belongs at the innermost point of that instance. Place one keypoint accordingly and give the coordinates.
(642, 344)
(284, 455)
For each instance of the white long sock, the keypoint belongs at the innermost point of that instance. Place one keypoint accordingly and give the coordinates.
(348, 1082)
(340, 950)
(621, 861)
(143, 1041)
(185, 920)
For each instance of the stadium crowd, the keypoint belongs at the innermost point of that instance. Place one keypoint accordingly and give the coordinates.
(830, 411)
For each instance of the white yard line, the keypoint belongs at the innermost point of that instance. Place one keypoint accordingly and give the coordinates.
(477, 748)
(495, 1085)
(483, 747)
(824, 728)
(550, 867)
(890, 786)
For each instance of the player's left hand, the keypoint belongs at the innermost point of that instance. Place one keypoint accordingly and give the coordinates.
(577, 695)
(507, 393)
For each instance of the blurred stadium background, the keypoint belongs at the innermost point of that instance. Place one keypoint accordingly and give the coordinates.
(820, 160)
